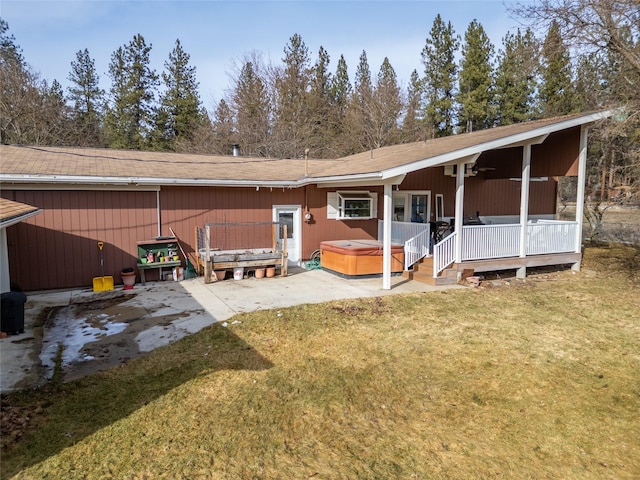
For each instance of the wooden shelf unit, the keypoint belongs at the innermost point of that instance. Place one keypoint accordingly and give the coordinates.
(161, 245)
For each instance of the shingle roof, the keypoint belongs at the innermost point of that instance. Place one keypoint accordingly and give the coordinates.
(59, 164)
(12, 212)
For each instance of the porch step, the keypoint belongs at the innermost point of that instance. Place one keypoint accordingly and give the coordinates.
(423, 272)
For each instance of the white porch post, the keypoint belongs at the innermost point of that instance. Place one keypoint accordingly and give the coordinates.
(582, 180)
(459, 220)
(386, 236)
(524, 205)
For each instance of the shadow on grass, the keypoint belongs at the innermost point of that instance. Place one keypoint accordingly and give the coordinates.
(72, 411)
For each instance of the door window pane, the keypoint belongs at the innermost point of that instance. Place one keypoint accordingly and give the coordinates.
(419, 208)
(398, 208)
(286, 218)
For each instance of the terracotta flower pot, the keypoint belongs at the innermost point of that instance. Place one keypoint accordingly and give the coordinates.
(271, 272)
(220, 274)
(128, 278)
(260, 272)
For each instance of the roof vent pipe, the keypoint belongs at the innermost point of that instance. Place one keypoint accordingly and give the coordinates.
(236, 149)
(306, 162)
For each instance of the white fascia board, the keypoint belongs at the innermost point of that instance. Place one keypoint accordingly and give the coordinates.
(185, 182)
(531, 141)
(519, 138)
(53, 182)
(364, 182)
(471, 159)
(18, 219)
(363, 178)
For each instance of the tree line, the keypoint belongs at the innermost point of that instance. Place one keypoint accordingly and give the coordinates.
(587, 59)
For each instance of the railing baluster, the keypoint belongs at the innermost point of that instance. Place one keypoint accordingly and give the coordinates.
(414, 236)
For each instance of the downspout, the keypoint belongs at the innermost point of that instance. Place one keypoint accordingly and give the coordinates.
(387, 215)
(524, 206)
(582, 178)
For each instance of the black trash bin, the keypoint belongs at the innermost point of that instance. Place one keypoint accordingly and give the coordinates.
(12, 311)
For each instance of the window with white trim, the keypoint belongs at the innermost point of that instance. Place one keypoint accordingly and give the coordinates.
(351, 205)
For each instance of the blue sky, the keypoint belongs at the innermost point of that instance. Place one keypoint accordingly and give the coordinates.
(218, 34)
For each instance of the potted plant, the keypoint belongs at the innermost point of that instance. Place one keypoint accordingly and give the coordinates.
(128, 276)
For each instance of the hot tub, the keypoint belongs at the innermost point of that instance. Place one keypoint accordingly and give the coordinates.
(358, 257)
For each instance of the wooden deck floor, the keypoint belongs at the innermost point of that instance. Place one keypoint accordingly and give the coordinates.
(423, 271)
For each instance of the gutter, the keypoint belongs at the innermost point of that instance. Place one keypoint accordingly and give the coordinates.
(179, 182)
(19, 218)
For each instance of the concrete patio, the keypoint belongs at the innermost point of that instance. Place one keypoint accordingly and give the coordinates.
(101, 330)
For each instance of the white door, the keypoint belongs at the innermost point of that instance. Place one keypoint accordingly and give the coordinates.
(412, 206)
(291, 216)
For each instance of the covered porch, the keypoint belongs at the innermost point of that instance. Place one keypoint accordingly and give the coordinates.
(472, 247)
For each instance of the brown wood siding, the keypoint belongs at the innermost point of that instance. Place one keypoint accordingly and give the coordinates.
(58, 248)
(325, 229)
(489, 197)
(502, 197)
(557, 156)
(184, 208)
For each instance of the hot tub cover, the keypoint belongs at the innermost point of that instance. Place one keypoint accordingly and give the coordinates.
(358, 247)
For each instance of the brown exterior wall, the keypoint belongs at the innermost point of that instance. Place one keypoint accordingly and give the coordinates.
(323, 229)
(557, 156)
(489, 197)
(184, 208)
(58, 248)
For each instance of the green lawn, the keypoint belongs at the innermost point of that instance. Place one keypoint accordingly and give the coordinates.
(533, 379)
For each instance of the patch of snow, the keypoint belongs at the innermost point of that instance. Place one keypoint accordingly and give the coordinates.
(73, 334)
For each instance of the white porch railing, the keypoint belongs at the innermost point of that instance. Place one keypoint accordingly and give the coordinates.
(414, 236)
(551, 236)
(416, 248)
(481, 242)
(444, 254)
(490, 241)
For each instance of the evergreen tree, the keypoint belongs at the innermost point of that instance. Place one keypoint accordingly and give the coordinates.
(19, 93)
(223, 129)
(438, 58)
(516, 78)
(321, 109)
(386, 107)
(411, 123)
(359, 119)
(340, 93)
(250, 102)
(476, 73)
(556, 94)
(54, 127)
(88, 101)
(291, 126)
(9, 50)
(589, 84)
(341, 88)
(130, 115)
(180, 104)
